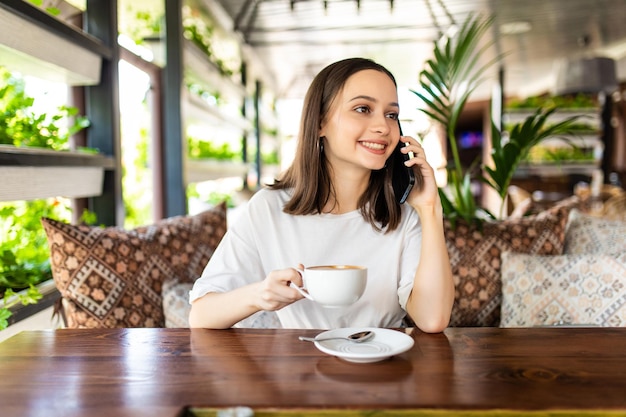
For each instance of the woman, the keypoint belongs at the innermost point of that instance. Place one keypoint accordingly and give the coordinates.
(336, 205)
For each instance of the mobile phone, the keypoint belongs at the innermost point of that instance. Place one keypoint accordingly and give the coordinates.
(402, 177)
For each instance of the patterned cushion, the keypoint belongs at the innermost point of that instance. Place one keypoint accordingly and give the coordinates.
(261, 320)
(588, 234)
(568, 289)
(475, 259)
(111, 277)
(176, 305)
(176, 308)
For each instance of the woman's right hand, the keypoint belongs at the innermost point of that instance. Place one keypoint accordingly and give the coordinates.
(275, 292)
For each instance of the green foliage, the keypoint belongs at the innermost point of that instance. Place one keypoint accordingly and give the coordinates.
(201, 149)
(212, 96)
(579, 127)
(54, 11)
(270, 158)
(212, 198)
(446, 83)
(145, 25)
(10, 299)
(24, 253)
(541, 154)
(200, 33)
(576, 101)
(21, 126)
(523, 137)
(136, 179)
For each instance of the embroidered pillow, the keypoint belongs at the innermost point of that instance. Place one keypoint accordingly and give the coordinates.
(111, 277)
(578, 289)
(589, 234)
(176, 308)
(475, 259)
(176, 305)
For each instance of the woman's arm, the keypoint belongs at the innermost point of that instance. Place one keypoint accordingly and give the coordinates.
(431, 299)
(222, 310)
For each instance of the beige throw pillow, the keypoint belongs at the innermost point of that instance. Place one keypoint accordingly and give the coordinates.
(589, 234)
(563, 290)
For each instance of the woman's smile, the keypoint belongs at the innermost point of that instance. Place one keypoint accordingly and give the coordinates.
(378, 147)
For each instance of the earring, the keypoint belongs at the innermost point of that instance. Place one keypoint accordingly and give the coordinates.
(321, 144)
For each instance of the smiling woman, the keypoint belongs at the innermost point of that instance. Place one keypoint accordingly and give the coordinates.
(335, 205)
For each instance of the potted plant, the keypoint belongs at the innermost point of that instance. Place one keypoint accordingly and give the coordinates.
(447, 82)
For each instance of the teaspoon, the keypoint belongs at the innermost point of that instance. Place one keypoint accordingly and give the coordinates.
(357, 337)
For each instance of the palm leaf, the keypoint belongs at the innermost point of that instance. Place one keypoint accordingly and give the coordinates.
(446, 83)
(525, 135)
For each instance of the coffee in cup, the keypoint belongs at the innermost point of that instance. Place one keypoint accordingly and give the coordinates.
(333, 285)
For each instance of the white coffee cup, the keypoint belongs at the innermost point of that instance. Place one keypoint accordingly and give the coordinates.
(333, 285)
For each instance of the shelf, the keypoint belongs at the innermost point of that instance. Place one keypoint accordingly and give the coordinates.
(199, 111)
(36, 157)
(256, 67)
(589, 139)
(199, 69)
(555, 170)
(589, 116)
(580, 141)
(34, 183)
(205, 170)
(30, 174)
(37, 44)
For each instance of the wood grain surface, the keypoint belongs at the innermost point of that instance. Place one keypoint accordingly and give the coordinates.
(176, 372)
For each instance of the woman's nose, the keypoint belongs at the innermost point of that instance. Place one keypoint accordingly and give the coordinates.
(381, 124)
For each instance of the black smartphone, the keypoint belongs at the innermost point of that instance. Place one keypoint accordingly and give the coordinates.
(402, 177)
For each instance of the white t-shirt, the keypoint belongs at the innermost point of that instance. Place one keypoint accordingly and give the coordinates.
(264, 239)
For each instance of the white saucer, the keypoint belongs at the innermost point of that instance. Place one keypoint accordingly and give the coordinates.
(385, 344)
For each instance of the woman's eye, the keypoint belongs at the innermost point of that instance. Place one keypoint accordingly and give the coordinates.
(362, 109)
(393, 116)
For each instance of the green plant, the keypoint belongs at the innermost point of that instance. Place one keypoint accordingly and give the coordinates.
(541, 154)
(145, 24)
(270, 157)
(446, 83)
(576, 101)
(54, 11)
(21, 126)
(24, 254)
(201, 33)
(200, 149)
(506, 156)
(11, 299)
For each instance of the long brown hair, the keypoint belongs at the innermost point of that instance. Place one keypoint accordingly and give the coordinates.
(309, 175)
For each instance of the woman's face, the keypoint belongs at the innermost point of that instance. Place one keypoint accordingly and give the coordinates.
(361, 127)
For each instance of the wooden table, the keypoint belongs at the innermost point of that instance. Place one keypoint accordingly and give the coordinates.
(160, 372)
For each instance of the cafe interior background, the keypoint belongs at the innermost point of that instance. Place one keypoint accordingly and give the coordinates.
(204, 103)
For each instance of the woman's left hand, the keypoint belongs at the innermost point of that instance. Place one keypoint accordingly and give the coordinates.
(427, 195)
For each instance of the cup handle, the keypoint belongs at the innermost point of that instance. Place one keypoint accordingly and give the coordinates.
(301, 290)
